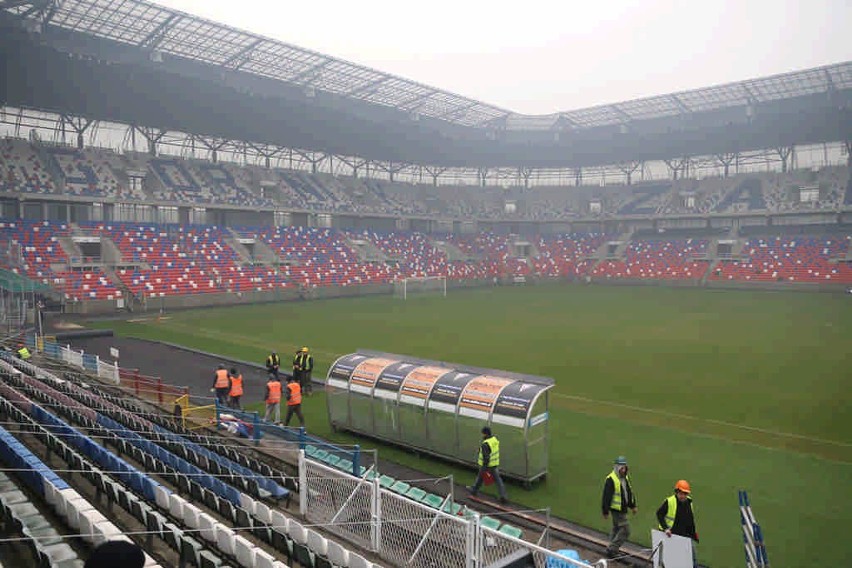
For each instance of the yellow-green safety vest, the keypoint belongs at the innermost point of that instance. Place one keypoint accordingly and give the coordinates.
(616, 504)
(494, 459)
(671, 512)
(24, 353)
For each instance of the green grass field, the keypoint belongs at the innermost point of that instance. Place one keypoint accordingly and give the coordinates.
(727, 389)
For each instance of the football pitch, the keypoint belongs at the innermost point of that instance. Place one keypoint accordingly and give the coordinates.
(727, 389)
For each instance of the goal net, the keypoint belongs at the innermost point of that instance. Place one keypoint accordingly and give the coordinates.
(405, 287)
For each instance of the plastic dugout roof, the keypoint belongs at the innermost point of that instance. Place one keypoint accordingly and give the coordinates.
(502, 397)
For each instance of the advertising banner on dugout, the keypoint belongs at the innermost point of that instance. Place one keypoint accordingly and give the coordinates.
(480, 394)
(390, 380)
(341, 371)
(513, 403)
(447, 390)
(365, 375)
(418, 384)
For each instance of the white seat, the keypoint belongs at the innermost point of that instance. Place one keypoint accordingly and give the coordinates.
(106, 531)
(338, 555)
(88, 521)
(247, 503)
(75, 509)
(225, 539)
(262, 513)
(279, 521)
(263, 559)
(207, 525)
(297, 532)
(244, 551)
(176, 503)
(161, 496)
(279, 564)
(51, 493)
(317, 543)
(190, 515)
(358, 561)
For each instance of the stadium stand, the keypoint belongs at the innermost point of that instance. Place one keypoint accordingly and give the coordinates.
(23, 170)
(658, 260)
(790, 259)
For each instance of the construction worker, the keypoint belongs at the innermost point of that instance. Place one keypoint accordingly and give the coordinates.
(489, 464)
(273, 399)
(618, 496)
(24, 353)
(236, 391)
(294, 402)
(303, 364)
(221, 385)
(273, 363)
(675, 515)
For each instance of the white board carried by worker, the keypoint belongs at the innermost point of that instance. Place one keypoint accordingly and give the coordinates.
(675, 551)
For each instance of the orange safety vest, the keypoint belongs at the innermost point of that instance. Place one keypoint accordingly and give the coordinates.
(274, 392)
(221, 379)
(237, 385)
(295, 393)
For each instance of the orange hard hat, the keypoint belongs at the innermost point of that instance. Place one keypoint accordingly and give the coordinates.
(683, 486)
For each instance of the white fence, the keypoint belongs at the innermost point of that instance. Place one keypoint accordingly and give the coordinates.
(404, 532)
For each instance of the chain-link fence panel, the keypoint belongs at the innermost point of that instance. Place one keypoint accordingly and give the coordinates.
(340, 500)
(417, 536)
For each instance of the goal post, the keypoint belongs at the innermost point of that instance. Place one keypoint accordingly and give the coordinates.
(419, 285)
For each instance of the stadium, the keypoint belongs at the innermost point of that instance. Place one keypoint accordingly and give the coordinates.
(663, 278)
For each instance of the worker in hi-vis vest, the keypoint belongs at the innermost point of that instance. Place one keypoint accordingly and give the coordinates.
(236, 391)
(617, 498)
(221, 385)
(676, 515)
(294, 402)
(273, 399)
(488, 461)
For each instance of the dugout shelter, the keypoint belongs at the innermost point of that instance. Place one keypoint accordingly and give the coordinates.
(439, 408)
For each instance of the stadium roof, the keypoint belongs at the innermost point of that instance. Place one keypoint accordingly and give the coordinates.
(156, 28)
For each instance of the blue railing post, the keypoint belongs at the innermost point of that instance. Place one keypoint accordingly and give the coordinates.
(256, 429)
(302, 438)
(356, 461)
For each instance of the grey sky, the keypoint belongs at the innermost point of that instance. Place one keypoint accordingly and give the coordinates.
(543, 56)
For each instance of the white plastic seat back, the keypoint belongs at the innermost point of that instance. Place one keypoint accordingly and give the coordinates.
(225, 539)
(338, 555)
(244, 551)
(297, 532)
(263, 559)
(207, 525)
(317, 543)
(358, 561)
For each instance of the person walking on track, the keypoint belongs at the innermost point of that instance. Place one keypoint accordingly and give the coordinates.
(221, 385)
(617, 498)
(236, 389)
(489, 464)
(303, 365)
(294, 402)
(273, 399)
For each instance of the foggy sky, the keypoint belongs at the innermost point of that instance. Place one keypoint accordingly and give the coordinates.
(544, 56)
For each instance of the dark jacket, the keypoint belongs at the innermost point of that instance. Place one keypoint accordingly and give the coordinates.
(684, 521)
(627, 496)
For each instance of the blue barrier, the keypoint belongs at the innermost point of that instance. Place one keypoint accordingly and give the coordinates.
(90, 362)
(52, 350)
(36, 472)
(199, 475)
